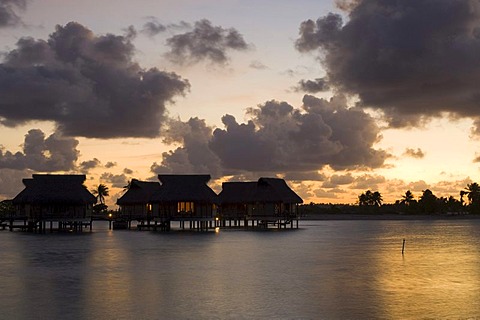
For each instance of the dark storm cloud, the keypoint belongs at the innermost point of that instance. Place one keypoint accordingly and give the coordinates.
(8, 12)
(88, 85)
(54, 153)
(205, 42)
(280, 138)
(312, 86)
(412, 59)
(418, 154)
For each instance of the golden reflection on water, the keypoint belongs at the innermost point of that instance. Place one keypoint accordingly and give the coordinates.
(109, 282)
(325, 270)
(435, 278)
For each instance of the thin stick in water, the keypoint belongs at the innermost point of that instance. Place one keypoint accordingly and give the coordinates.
(403, 246)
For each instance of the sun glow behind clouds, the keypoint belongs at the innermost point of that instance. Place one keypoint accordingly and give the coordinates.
(271, 31)
(447, 147)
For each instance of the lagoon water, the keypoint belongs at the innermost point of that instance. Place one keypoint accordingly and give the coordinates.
(324, 270)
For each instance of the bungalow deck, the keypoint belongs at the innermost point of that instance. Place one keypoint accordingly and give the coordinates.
(50, 225)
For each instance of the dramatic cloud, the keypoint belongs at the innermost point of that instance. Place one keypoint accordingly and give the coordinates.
(418, 154)
(54, 153)
(87, 84)
(194, 155)
(280, 138)
(116, 180)
(336, 180)
(85, 166)
(205, 42)
(412, 59)
(368, 181)
(312, 86)
(8, 15)
(127, 171)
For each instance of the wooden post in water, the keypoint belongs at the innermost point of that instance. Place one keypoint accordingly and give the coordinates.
(403, 246)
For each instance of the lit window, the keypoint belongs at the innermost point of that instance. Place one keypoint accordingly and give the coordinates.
(185, 207)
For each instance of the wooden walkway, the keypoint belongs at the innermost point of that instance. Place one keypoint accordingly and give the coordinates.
(50, 225)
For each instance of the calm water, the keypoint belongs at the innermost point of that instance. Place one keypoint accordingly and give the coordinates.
(325, 270)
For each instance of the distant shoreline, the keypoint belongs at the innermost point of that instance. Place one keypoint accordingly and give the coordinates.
(355, 216)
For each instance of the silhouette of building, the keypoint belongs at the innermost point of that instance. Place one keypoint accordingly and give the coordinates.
(55, 198)
(267, 201)
(184, 198)
(135, 204)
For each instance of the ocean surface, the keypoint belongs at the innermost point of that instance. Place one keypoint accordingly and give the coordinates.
(324, 270)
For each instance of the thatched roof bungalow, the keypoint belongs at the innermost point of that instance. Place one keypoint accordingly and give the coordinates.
(184, 196)
(54, 196)
(266, 197)
(135, 203)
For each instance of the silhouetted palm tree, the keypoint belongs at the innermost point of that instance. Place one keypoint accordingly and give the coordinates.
(364, 198)
(473, 194)
(370, 198)
(462, 193)
(101, 191)
(428, 201)
(407, 198)
(376, 199)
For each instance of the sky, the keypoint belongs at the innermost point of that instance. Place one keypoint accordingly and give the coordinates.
(336, 97)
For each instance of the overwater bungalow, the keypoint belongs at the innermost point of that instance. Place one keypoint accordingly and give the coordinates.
(55, 198)
(267, 201)
(184, 198)
(135, 204)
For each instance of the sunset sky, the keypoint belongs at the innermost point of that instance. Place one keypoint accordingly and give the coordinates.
(337, 97)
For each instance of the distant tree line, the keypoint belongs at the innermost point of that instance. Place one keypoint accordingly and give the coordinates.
(427, 203)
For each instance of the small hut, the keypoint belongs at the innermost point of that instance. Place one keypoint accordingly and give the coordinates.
(268, 199)
(184, 198)
(237, 200)
(135, 204)
(61, 198)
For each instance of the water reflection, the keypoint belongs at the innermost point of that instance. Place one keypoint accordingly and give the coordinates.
(42, 275)
(328, 270)
(437, 277)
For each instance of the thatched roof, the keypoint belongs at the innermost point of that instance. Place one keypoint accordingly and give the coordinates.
(139, 192)
(175, 188)
(264, 190)
(238, 192)
(55, 189)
